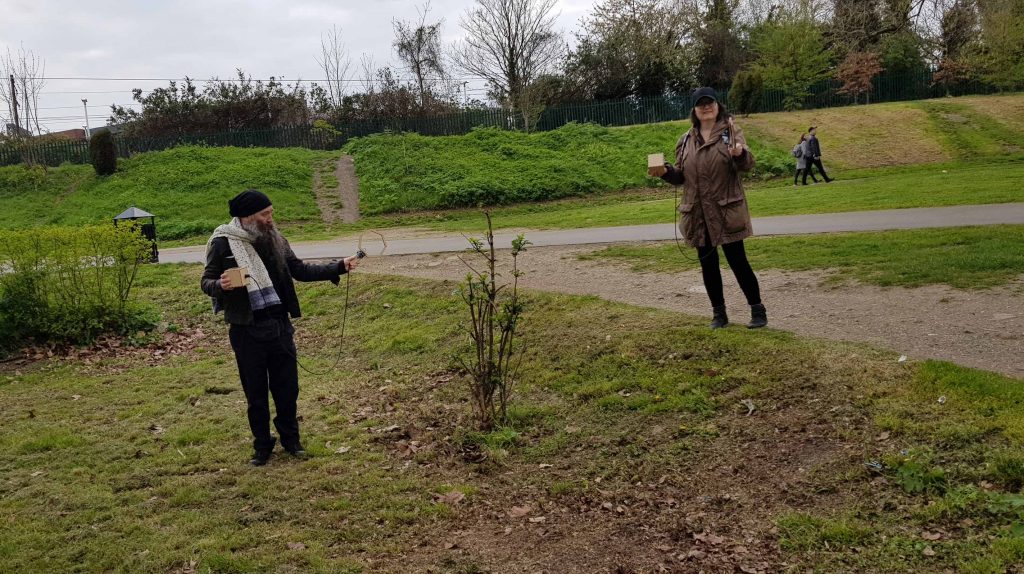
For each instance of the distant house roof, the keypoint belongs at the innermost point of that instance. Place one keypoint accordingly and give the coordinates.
(77, 134)
(113, 129)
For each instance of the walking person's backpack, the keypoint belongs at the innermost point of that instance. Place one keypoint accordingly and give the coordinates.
(798, 151)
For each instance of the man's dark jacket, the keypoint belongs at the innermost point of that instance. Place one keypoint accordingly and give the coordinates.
(812, 142)
(235, 302)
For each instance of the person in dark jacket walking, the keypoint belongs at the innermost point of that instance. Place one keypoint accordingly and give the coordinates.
(709, 159)
(815, 159)
(258, 312)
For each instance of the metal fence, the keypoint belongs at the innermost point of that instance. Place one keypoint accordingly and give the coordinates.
(55, 152)
(825, 94)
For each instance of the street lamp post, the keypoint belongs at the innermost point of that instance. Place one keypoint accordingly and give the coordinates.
(85, 104)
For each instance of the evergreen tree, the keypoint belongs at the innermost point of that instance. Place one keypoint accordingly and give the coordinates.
(103, 153)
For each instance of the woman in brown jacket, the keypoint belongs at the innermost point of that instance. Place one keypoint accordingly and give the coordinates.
(709, 159)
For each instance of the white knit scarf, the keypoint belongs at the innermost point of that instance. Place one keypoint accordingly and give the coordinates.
(260, 288)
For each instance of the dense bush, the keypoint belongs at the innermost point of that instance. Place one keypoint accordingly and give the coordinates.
(103, 153)
(490, 166)
(745, 94)
(68, 285)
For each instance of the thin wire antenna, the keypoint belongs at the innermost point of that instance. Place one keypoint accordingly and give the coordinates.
(378, 234)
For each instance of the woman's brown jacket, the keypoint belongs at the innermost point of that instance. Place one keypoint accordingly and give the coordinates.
(714, 205)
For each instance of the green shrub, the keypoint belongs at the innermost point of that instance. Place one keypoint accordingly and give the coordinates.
(103, 153)
(746, 91)
(69, 285)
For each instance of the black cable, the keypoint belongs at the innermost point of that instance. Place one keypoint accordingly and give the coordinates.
(341, 339)
(675, 230)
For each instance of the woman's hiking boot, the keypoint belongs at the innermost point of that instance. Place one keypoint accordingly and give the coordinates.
(758, 316)
(720, 319)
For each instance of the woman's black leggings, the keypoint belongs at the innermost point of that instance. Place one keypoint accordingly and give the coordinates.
(712, 272)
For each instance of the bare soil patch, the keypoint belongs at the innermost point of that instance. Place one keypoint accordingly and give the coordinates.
(982, 329)
(710, 508)
(327, 200)
(348, 188)
(337, 196)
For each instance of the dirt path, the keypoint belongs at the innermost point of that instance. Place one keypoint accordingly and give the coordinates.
(981, 329)
(348, 187)
(337, 204)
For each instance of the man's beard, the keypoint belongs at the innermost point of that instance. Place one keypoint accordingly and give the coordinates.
(267, 241)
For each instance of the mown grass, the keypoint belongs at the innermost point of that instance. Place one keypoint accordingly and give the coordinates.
(968, 131)
(962, 257)
(857, 137)
(900, 133)
(187, 188)
(130, 463)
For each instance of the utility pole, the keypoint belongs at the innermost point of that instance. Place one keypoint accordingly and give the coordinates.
(85, 104)
(465, 94)
(14, 103)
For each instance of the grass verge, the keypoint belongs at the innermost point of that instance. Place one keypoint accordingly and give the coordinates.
(962, 257)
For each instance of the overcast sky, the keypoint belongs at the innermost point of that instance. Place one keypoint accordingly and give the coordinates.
(203, 39)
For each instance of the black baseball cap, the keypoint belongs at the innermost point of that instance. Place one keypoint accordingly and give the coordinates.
(705, 92)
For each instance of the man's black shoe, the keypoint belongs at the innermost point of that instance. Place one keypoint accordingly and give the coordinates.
(297, 451)
(260, 457)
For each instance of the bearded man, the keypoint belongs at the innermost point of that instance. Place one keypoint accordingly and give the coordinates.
(258, 312)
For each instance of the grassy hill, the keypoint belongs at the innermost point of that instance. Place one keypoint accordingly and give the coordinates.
(902, 133)
(490, 166)
(187, 188)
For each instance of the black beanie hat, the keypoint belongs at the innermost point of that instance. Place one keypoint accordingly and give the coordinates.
(247, 203)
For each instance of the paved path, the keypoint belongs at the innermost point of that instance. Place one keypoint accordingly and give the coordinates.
(916, 218)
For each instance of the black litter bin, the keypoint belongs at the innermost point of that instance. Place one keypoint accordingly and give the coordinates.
(148, 228)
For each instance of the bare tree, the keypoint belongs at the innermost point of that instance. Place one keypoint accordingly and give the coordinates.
(369, 72)
(29, 72)
(419, 46)
(510, 43)
(335, 63)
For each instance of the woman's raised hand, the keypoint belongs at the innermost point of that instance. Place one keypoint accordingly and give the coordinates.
(735, 148)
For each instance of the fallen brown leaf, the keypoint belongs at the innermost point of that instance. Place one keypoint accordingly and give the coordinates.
(519, 511)
(712, 539)
(452, 498)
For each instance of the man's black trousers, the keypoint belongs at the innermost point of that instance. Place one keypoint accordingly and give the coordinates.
(821, 169)
(265, 353)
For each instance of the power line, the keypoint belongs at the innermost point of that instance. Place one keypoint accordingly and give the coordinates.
(99, 79)
(106, 92)
(80, 107)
